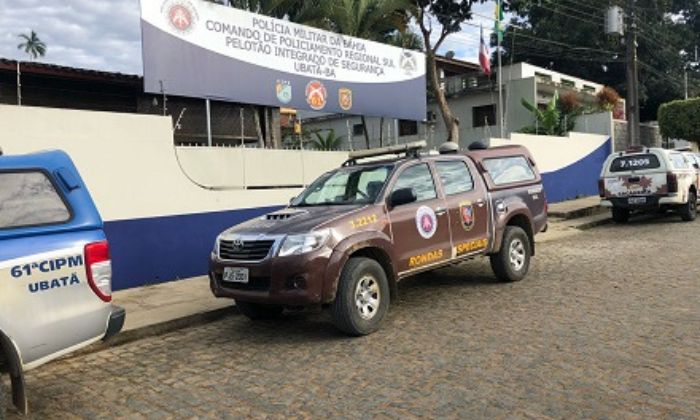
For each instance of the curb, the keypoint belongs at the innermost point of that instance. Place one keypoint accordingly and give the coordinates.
(578, 213)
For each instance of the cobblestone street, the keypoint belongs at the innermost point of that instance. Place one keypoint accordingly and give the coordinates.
(607, 325)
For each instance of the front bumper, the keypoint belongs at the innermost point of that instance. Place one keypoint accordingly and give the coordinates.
(116, 322)
(293, 281)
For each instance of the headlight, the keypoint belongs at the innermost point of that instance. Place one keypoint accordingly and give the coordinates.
(215, 251)
(301, 244)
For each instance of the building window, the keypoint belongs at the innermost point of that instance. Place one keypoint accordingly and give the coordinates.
(484, 115)
(408, 128)
(543, 78)
(568, 83)
(357, 130)
(431, 116)
(588, 89)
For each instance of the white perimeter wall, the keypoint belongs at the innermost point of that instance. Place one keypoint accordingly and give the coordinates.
(131, 167)
(554, 153)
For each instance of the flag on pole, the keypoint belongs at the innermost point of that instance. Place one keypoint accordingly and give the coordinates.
(484, 56)
(498, 21)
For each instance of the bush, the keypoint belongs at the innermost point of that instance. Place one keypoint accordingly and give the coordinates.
(681, 120)
(608, 98)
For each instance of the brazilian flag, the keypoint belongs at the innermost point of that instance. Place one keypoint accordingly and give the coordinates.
(498, 21)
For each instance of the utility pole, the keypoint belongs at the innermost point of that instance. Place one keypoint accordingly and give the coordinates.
(632, 103)
(19, 85)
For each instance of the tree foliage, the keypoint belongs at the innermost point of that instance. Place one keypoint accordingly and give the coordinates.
(437, 19)
(681, 120)
(558, 118)
(582, 49)
(326, 142)
(32, 45)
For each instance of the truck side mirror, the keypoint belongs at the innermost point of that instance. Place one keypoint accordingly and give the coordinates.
(402, 196)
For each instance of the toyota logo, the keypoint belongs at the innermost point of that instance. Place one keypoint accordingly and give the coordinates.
(238, 243)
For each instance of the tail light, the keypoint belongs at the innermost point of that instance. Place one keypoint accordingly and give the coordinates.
(672, 182)
(601, 188)
(99, 269)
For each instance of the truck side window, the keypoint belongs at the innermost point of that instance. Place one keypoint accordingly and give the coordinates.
(679, 161)
(29, 199)
(455, 177)
(420, 179)
(509, 170)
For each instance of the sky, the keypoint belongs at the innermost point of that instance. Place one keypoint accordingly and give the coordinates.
(106, 35)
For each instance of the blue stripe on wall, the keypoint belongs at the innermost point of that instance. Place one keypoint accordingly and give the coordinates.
(160, 249)
(577, 179)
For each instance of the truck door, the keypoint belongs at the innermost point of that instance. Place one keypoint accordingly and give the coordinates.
(420, 229)
(466, 197)
(47, 223)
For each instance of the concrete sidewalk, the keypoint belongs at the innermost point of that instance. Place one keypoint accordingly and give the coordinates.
(157, 309)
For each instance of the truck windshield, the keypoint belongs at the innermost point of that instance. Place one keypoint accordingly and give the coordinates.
(345, 186)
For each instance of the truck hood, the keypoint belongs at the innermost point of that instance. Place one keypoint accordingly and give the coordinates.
(292, 220)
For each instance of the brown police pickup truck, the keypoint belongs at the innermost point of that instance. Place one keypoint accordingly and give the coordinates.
(348, 239)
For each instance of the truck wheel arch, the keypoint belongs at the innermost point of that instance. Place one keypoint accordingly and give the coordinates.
(14, 367)
(523, 221)
(371, 247)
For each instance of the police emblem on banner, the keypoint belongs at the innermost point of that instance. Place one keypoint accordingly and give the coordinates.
(181, 15)
(408, 62)
(345, 99)
(466, 214)
(316, 95)
(426, 222)
(284, 91)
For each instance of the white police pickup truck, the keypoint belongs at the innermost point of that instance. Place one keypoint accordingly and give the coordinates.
(55, 268)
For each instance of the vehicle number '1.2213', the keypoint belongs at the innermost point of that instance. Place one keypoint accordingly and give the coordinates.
(363, 221)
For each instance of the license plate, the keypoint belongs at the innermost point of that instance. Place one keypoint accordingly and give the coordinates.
(235, 275)
(637, 200)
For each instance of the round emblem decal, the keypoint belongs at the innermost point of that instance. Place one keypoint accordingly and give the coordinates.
(316, 95)
(426, 222)
(466, 212)
(181, 15)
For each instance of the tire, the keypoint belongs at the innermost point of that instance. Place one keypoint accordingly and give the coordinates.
(3, 406)
(689, 211)
(256, 311)
(362, 299)
(512, 261)
(620, 215)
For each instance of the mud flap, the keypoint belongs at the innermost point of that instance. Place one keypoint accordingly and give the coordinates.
(19, 395)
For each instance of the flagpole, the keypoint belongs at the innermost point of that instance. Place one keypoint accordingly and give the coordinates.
(500, 74)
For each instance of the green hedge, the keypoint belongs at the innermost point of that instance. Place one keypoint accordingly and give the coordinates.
(681, 120)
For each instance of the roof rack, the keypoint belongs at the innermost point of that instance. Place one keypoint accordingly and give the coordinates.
(410, 149)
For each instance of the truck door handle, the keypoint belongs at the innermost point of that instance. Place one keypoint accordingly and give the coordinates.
(440, 211)
(480, 202)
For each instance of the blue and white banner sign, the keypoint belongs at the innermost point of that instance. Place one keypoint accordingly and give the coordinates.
(201, 49)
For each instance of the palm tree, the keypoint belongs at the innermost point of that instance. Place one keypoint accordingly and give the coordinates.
(326, 142)
(32, 45)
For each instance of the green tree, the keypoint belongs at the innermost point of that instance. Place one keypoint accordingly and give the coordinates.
(327, 142)
(681, 120)
(32, 45)
(581, 48)
(449, 14)
(557, 119)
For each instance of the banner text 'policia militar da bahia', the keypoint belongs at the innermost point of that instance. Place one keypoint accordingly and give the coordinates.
(201, 49)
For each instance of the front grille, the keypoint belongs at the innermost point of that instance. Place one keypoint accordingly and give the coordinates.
(254, 283)
(244, 250)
